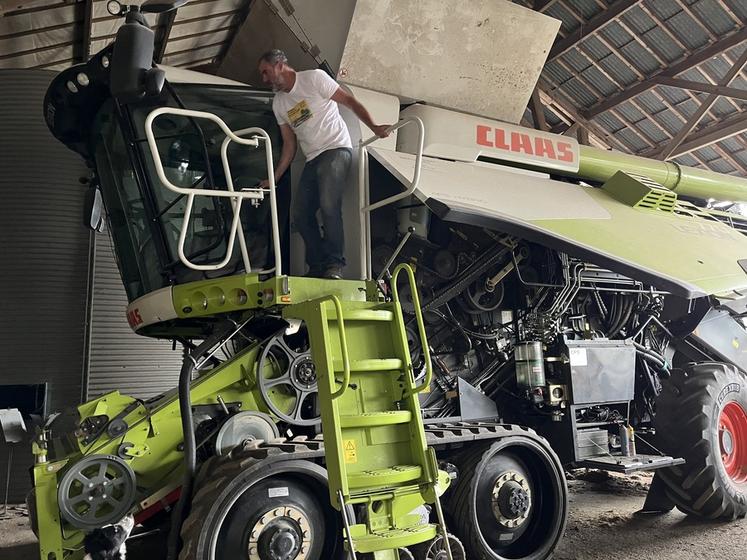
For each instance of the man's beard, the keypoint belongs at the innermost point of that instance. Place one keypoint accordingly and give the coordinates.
(278, 84)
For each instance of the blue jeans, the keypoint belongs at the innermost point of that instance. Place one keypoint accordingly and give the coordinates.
(321, 186)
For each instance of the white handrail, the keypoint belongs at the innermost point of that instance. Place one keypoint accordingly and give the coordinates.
(237, 197)
(363, 188)
(273, 199)
(418, 162)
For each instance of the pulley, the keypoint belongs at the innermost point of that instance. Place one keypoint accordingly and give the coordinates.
(98, 490)
(287, 380)
(244, 426)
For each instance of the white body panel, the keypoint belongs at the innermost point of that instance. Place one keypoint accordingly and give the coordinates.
(453, 135)
(151, 308)
(493, 190)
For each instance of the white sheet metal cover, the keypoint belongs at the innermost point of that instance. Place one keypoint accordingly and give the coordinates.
(455, 135)
(491, 189)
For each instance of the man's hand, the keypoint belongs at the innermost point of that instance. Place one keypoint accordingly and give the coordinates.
(381, 130)
(264, 184)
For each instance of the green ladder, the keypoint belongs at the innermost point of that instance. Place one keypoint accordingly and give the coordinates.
(375, 445)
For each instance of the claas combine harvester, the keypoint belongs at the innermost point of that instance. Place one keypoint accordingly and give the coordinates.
(557, 305)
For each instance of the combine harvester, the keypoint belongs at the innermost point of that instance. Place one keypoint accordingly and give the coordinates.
(567, 308)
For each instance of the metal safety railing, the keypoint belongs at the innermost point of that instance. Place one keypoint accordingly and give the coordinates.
(364, 192)
(237, 197)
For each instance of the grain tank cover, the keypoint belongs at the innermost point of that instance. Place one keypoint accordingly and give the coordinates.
(673, 246)
(482, 56)
(453, 135)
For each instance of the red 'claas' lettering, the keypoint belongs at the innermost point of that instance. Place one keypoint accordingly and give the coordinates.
(133, 318)
(524, 143)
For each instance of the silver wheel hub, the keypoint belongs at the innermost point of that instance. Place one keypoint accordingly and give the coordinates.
(727, 442)
(282, 533)
(511, 500)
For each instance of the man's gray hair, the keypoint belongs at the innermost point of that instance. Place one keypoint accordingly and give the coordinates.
(273, 57)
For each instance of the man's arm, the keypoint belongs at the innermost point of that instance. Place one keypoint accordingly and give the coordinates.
(288, 152)
(344, 98)
(286, 155)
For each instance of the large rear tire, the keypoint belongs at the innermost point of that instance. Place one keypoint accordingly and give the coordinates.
(701, 416)
(510, 500)
(244, 509)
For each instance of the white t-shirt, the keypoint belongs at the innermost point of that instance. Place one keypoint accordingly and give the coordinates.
(310, 111)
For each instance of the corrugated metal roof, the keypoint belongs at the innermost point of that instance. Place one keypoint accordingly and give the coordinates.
(609, 72)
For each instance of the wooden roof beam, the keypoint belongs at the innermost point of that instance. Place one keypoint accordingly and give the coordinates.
(594, 24)
(690, 61)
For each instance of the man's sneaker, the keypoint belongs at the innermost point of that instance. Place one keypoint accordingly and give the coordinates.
(333, 272)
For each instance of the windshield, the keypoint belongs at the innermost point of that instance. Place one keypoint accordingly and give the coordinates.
(146, 218)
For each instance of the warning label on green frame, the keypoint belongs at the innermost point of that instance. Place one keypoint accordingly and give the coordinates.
(351, 453)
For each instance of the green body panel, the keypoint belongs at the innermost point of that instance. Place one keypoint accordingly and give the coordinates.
(375, 446)
(631, 226)
(207, 298)
(601, 165)
(52, 540)
(643, 238)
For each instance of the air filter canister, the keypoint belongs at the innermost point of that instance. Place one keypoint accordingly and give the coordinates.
(530, 366)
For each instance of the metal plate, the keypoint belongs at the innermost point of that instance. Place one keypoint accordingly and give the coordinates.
(627, 465)
(13, 427)
(482, 56)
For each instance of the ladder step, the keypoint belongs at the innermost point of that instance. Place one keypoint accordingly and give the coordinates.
(372, 419)
(384, 477)
(388, 364)
(361, 314)
(395, 538)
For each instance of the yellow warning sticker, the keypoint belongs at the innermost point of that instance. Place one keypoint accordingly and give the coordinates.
(351, 453)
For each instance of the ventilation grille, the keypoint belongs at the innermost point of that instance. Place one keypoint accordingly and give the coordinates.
(640, 192)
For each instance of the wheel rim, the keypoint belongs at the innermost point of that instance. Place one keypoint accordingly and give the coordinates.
(228, 531)
(282, 533)
(732, 432)
(519, 501)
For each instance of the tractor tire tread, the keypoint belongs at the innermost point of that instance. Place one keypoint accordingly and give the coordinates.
(697, 488)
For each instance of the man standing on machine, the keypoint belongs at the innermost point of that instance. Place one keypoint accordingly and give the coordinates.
(306, 108)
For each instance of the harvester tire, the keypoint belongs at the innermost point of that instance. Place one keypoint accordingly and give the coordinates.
(245, 506)
(510, 498)
(701, 417)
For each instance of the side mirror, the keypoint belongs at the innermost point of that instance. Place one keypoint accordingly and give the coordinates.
(132, 69)
(93, 213)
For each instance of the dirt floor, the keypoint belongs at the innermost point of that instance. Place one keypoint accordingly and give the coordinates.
(602, 526)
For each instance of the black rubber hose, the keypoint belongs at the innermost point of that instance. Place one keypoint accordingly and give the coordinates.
(652, 357)
(190, 456)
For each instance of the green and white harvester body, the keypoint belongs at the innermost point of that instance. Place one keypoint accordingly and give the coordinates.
(521, 304)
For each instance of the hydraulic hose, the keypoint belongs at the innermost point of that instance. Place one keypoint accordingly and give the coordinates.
(190, 455)
(652, 357)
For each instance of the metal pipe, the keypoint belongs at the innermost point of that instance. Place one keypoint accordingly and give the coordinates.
(600, 165)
